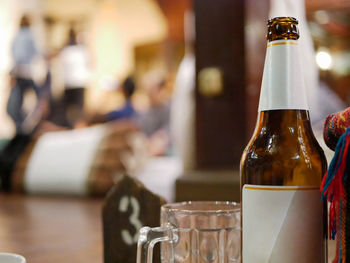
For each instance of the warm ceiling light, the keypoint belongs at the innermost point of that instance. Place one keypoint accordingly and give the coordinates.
(324, 60)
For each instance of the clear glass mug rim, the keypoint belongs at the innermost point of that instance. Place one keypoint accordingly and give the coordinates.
(226, 207)
(169, 233)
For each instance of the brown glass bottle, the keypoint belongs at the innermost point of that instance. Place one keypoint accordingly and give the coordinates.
(282, 165)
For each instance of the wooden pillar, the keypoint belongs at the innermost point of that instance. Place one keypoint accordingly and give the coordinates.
(226, 96)
(220, 116)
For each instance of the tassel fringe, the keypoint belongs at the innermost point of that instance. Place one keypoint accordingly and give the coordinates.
(334, 190)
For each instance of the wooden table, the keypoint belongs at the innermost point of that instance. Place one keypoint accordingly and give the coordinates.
(52, 229)
(56, 229)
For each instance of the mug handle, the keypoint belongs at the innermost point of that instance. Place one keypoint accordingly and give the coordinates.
(149, 237)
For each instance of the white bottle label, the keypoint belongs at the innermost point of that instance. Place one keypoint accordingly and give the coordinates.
(282, 224)
(282, 84)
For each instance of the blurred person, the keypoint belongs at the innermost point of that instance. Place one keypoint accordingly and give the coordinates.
(330, 102)
(126, 112)
(182, 112)
(75, 65)
(155, 121)
(24, 51)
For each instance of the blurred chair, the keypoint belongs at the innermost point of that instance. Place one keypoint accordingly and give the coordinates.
(79, 162)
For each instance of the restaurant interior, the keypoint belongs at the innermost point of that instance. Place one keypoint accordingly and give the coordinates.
(164, 92)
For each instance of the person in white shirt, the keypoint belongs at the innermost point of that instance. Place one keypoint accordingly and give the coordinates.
(75, 66)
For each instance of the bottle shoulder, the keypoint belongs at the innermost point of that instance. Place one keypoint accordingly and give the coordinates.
(283, 159)
(285, 145)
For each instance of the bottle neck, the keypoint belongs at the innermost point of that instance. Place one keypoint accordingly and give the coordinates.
(283, 84)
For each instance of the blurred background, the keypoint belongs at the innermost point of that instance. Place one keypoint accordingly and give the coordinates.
(120, 38)
(136, 37)
(190, 71)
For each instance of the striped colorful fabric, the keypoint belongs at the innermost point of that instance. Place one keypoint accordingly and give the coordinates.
(336, 183)
(335, 189)
(335, 126)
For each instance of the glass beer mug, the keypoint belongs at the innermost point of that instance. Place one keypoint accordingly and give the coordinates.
(194, 232)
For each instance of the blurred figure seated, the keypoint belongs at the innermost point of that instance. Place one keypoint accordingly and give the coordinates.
(126, 112)
(155, 121)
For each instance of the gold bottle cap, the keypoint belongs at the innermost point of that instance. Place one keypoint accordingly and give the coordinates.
(282, 28)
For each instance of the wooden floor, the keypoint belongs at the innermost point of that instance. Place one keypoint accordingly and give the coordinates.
(56, 229)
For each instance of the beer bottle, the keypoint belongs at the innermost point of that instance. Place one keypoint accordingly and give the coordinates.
(283, 217)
